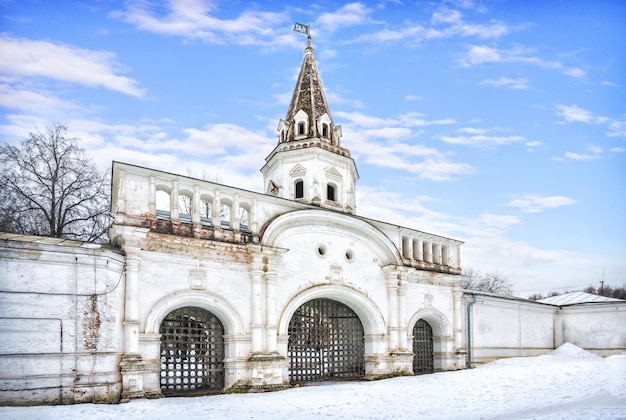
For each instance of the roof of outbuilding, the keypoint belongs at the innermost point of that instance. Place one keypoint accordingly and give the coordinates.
(573, 298)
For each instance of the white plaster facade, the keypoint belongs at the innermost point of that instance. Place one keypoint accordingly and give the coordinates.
(511, 327)
(255, 279)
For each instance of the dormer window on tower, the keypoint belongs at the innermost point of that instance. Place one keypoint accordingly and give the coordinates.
(325, 130)
(302, 124)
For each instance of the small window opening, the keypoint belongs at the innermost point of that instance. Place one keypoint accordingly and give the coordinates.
(330, 192)
(299, 188)
(301, 128)
(325, 130)
(321, 250)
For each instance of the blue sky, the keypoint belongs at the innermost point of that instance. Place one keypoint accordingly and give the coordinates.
(499, 123)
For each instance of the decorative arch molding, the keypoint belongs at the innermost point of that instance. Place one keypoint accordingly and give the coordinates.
(369, 314)
(347, 225)
(437, 321)
(212, 303)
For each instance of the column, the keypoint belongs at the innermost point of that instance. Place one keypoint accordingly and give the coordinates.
(152, 197)
(234, 214)
(195, 205)
(256, 304)
(460, 351)
(392, 293)
(216, 220)
(131, 313)
(402, 330)
(174, 201)
(270, 304)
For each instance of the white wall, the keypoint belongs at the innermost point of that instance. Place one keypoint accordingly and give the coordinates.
(597, 327)
(510, 327)
(61, 306)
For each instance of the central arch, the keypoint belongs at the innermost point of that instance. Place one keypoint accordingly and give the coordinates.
(326, 342)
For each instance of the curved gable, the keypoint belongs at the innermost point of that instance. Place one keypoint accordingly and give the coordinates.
(328, 222)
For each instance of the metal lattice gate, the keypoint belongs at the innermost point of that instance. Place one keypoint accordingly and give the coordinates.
(192, 353)
(422, 348)
(326, 342)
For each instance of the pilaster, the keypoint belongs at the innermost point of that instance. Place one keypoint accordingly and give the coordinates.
(391, 276)
(131, 365)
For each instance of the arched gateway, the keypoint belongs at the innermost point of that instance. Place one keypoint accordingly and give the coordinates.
(192, 352)
(326, 342)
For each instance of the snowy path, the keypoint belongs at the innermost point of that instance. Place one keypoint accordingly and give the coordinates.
(569, 383)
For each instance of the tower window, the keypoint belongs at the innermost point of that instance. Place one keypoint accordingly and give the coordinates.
(301, 128)
(330, 192)
(299, 188)
(325, 130)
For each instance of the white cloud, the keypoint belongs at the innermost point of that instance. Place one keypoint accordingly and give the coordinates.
(580, 156)
(25, 58)
(574, 72)
(446, 23)
(389, 142)
(572, 113)
(535, 203)
(413, 98)
(31, 101)
(506, 82)
(480, 137)
(479, 54)
(348, 15)
(195, 19)
(483, 54)
(617, 128)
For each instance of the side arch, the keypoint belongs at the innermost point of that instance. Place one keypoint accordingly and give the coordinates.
(367, 311)
(214, 304)
(442, 337)
(438, 322)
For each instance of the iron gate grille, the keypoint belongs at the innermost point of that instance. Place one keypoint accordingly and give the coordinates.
(192, 353)
(326, 342)
(422, 348)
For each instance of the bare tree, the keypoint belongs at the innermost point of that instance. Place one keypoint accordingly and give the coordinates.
(50, 187)
(489, 282)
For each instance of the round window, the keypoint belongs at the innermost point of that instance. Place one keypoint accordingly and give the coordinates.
(321, 250)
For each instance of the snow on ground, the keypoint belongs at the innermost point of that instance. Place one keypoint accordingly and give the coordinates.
(568, 383)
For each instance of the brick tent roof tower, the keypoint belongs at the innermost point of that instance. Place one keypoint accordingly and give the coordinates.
(309, 164)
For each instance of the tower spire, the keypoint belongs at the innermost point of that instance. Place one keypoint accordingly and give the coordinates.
(309, 115)
(309, 164)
